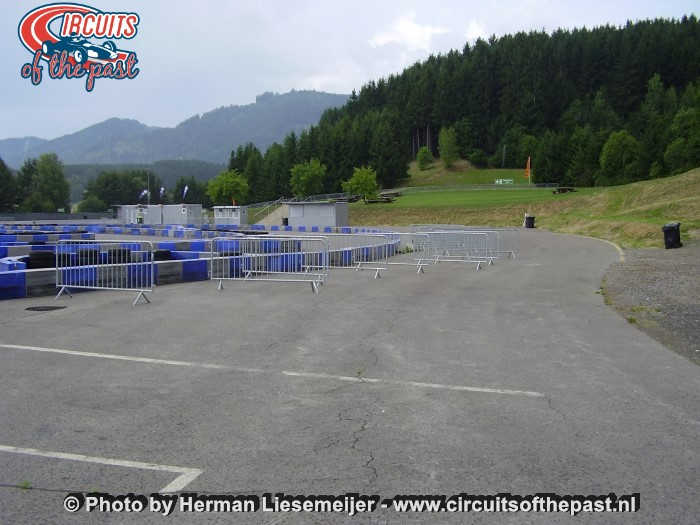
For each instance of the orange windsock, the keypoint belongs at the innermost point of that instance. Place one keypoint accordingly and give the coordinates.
(527, 168)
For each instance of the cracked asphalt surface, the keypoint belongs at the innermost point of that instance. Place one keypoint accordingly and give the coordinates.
(355, 390)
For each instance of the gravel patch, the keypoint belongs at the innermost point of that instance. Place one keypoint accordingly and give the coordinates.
(659, 291)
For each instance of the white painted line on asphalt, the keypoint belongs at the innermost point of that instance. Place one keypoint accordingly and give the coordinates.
(614, 245)
(289, 373)
(128, 358)
(187, 475)
(418, 384)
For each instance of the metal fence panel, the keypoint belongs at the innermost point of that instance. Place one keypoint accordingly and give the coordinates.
(458, 246)
(416, 247)
(502, 242)
(105, 265)
(302, 259)
(361, 251)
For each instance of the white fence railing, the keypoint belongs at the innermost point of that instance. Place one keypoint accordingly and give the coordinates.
(270, 258)
(360, 251)
(105, 265)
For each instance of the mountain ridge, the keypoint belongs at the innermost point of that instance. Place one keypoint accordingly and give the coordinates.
(208, 136)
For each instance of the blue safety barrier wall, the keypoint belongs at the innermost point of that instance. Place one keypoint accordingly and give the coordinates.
(12, 285)
(195, 270)
(182, 268)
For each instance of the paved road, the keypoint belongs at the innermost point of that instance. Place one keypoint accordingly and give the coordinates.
(361, 388)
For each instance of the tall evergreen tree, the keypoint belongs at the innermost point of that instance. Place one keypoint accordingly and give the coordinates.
(7, 188)
(255, 177)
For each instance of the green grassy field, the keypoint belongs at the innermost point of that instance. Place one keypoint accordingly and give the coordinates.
(631, 215)
(477, 198)
(462, 173)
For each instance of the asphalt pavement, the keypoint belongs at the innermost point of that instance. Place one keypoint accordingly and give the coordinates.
(513, 379)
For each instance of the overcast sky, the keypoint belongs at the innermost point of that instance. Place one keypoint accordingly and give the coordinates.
(199, 55)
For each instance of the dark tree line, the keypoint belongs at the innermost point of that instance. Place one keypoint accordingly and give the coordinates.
(590, 106)
(39, 186)
(131, 186)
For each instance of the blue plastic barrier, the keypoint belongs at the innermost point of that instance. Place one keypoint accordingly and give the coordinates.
(345, 229)
(77, 276)
(195, 270)
(139, 275)
(235, 266)
(40, 237)
(12, 285)
(291, 262)
(43, 248)
(345, 257)
(198, 246)
(328, 229)
(288, 228)
(227, 245)
(314, 228)
(301, 229)
(274, 228)
(184, 254)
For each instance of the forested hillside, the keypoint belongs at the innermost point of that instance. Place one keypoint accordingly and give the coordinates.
(167, 172)
(598, 106)
(208, 137)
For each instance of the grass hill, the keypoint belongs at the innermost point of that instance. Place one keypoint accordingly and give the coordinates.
(461, 173)
(631, 214)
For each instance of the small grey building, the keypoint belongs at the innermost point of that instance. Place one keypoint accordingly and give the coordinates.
(230, 215)
(182, 214)
(322, 214)
(159, 214)
(140, 214)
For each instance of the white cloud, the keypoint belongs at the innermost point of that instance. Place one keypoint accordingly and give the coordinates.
(407, 33)
(475, 30)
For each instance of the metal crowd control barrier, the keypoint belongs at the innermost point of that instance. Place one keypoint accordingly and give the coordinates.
(497, 247)
(105, 265)
(415, 245)
(301, 259)
(360, 251)
(458, 246)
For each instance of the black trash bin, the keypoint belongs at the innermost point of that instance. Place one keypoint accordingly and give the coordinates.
(672, 235)
(285, 221)
(530, 221)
